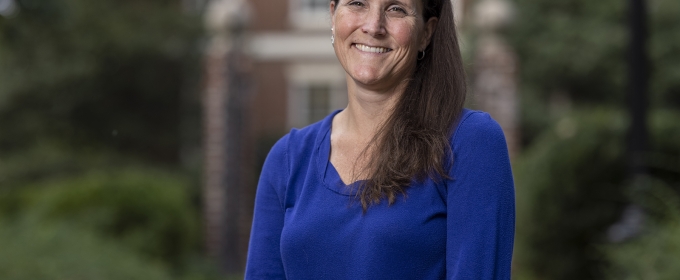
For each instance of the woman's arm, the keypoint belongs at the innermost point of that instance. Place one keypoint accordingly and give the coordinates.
(264, 255)
(480, 202)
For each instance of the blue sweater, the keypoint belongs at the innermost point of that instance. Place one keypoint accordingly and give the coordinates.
(307, 224)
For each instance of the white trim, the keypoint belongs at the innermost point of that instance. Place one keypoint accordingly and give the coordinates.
(305, 73)
(305, 18)
(291, 46)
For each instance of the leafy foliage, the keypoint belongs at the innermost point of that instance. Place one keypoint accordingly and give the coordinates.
(145, 212)
(568, 188)
(148, 211)
(577, 50)
(664, 40)
(95, 74)
(96, 107)
(61, 251)
(572, 46)
(571, 181)
(656, 253)
(571, 187)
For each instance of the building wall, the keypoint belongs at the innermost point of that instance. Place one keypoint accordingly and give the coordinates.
(294, 59)
(269, 105)
(268, 15)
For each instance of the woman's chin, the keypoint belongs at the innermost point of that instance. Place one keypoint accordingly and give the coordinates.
(367, 81)
(368, 78)
(377, 77)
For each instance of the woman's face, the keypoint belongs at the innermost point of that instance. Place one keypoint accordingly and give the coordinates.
(377, 41)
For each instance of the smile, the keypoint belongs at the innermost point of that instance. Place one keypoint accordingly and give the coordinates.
(365, 48)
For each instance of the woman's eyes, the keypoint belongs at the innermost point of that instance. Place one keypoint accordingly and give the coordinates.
(397, 9)
(393, 10)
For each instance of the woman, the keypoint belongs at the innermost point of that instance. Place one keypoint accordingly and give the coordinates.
(401, 184)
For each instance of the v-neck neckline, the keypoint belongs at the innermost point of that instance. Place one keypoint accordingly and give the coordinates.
(329, 175)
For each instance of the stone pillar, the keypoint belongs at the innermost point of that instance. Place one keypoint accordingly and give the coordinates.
(495, 69)
(222, 195)
(8, 8)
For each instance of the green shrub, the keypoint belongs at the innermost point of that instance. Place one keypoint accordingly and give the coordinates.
(577, 49)
(46, 162)
(656, 253)
(568, 188)
(32, 251)
(571, 187)
(146, 210)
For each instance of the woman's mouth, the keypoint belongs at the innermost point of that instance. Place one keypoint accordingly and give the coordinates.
(365, 48)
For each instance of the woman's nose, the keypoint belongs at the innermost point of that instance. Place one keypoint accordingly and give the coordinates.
(374, 23)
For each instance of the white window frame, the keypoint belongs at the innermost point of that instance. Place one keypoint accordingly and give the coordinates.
(305, 17)
(300, 77)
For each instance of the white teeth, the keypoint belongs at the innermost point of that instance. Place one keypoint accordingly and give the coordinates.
(372, 49)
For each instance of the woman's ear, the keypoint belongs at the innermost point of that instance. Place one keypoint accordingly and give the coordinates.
(332, 9)
(430, 26)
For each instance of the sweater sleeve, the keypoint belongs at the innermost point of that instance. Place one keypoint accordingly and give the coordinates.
(264, 254)
(480, 202)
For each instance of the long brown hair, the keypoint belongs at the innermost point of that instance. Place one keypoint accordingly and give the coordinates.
(413, 143)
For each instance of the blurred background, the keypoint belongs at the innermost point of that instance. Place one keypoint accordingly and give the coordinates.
(132, 133)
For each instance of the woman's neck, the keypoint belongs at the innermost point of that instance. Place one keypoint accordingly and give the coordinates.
(366, 111)
(355, 127)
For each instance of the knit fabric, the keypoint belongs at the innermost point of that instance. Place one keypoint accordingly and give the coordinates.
(308, 224)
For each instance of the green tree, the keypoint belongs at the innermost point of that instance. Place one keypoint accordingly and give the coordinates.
(96, 75)
(95, 100)
(578, 49)
(572, 186)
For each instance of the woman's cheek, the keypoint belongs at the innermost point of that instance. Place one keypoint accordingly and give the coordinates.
(404, 34)
(346, 25)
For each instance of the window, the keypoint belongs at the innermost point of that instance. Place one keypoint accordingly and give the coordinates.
(319, 102)
(315, 91)
(310, 14)
(310, 103)
(315, 5)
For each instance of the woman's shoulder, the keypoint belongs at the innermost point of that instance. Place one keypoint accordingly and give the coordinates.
(477, 128)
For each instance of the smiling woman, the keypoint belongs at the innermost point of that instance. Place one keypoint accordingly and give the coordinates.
(377, 41)
(403, 183)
